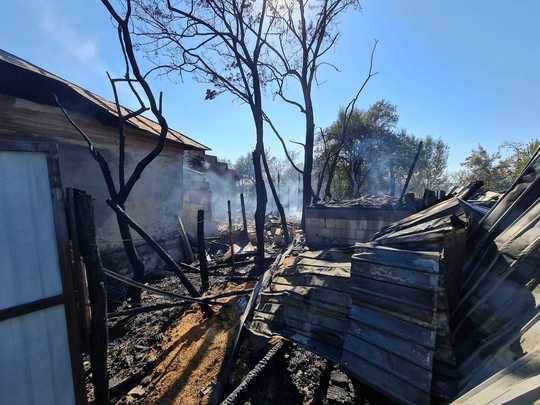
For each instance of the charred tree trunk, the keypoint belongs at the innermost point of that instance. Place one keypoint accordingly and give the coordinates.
(331, 173)
(135, 262)
(260, 188)
(411, 170)
(307, 192)
(279, 206)
(260, 210)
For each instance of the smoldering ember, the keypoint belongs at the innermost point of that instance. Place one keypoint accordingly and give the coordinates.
(270, 254)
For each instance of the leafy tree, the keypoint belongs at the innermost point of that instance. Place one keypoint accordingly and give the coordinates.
(244, 168)
(373, 156)
(521, 154)
(431, 166)
(496, 173)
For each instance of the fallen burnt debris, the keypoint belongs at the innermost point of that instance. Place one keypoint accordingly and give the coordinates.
(437, 307)
(148, 340)
(345, 222)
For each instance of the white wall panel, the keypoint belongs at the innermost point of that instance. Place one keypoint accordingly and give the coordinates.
(28, 253)
(35, 367)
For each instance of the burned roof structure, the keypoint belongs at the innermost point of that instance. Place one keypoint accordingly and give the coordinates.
(23, 79)
(439, 306)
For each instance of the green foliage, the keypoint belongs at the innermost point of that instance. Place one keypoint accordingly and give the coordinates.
(375, 156)
(496, 172)
(521, 154)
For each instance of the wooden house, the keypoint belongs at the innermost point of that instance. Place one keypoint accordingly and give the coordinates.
(28, 112)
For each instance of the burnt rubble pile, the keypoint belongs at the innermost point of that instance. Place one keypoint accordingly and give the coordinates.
(439, 306)
(365, 201)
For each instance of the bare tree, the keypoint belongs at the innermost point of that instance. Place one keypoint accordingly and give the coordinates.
(221, 41)
(306, 32)
(332, 157)
(120, 191)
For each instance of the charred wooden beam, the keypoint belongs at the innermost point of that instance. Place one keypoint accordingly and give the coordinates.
(144, 309)
(411, 170)
(231, 243)
(244, 220)
(161, 252)
(202, 251)
(184, 243)
(235, 396)
(136, 284)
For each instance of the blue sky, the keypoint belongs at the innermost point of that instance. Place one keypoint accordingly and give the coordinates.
(465, 71)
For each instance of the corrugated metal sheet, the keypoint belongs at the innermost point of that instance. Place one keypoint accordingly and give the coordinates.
(411, 333)
(440, 228)
(517, 383)
(307, 302)
(140, 122)
(35, 363)
(496, 319)
(504, 296)
(391, 328)
(391, 340)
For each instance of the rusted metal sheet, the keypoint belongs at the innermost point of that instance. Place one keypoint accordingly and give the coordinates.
(410, 332)
(386, 320)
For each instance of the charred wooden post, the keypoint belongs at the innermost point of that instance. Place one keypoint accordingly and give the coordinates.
(161, 253)
(98, 296)
(101, 337)
(184, 243)
(203, 265)
(411, 170)
(80, 282)
(429, 197)
(230, 233)
(244, 220)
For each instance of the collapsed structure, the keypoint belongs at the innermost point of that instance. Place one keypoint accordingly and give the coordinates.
(347, 222)
(440, 306)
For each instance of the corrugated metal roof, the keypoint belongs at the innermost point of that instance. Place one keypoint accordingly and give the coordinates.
(145, 124)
